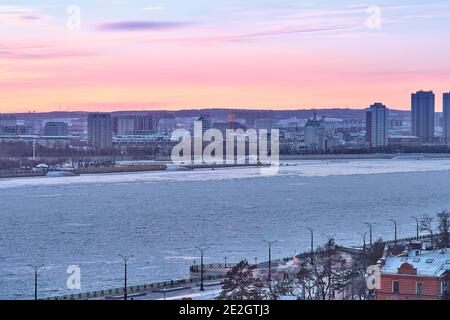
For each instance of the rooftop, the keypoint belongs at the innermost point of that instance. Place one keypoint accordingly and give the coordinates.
(427, 263)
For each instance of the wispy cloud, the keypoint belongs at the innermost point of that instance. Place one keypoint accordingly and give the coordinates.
(39, 52)
(141, 25)
(239, 37)
(20, 15)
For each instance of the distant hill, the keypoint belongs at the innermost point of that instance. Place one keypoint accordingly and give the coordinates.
(221, 114)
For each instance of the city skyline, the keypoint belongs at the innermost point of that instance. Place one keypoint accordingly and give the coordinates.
(140, 55)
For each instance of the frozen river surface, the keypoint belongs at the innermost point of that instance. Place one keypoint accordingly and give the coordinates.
(161, 217)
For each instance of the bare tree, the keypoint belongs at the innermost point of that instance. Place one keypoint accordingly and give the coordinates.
(426, 224)
(444, 226)
(305, 282)
(330, 271)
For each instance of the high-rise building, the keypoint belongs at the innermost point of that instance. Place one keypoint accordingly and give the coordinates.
(135, 125)
(124, 125)
(206, 123)
(377, 125)
(146, 124)
(422, 115)
(315, 134)
(265, 124)
(167, 125)
(446, 118)
(100, 130)
(56, 129)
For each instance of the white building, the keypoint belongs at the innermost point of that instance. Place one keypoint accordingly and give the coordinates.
(315, 134)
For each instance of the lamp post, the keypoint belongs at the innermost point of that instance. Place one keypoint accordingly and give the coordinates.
(363, 235)
(370, 232)
(395, 230)
(270, 244)
(417, 227)
(36, 271)
(125, 260)
(225, 260)
(202, 254)
(312, 243)
(256, 262)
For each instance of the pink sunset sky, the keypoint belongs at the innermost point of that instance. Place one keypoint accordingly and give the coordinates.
(107, 55)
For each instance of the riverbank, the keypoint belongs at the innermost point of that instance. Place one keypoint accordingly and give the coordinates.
(375, 156)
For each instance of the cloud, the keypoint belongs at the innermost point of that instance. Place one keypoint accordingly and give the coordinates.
(141, 26)
(38, 52)
(19, 15)
(277, 32)
(253, 36)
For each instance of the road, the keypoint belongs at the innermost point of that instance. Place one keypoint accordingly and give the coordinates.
(212, 289)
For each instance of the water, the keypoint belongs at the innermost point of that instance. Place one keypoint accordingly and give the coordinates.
(161, 217)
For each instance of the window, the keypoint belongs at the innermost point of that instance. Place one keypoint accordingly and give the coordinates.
(444, 288)
(430, 261)
(419, 288)
(395, 287)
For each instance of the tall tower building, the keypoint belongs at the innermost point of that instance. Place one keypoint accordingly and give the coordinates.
(446, 125)
(377, 125)
(100, 130)
(206, 123)
(314, 132)
(422, 115)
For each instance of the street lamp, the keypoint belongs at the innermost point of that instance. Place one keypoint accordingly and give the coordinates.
(256, 262)
(125, 260)
(395, 230)
(363, 235)
(370, 232)
(202, 253)
(312, 243)
(417, 227)
(270, 244)
(36, 271)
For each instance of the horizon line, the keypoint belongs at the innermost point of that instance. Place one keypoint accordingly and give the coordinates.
(194, 109)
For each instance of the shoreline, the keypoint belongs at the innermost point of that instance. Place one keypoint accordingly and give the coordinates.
(166, 165)
(375, 156)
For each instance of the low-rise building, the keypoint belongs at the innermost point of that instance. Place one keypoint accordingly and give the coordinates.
(420, 275)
